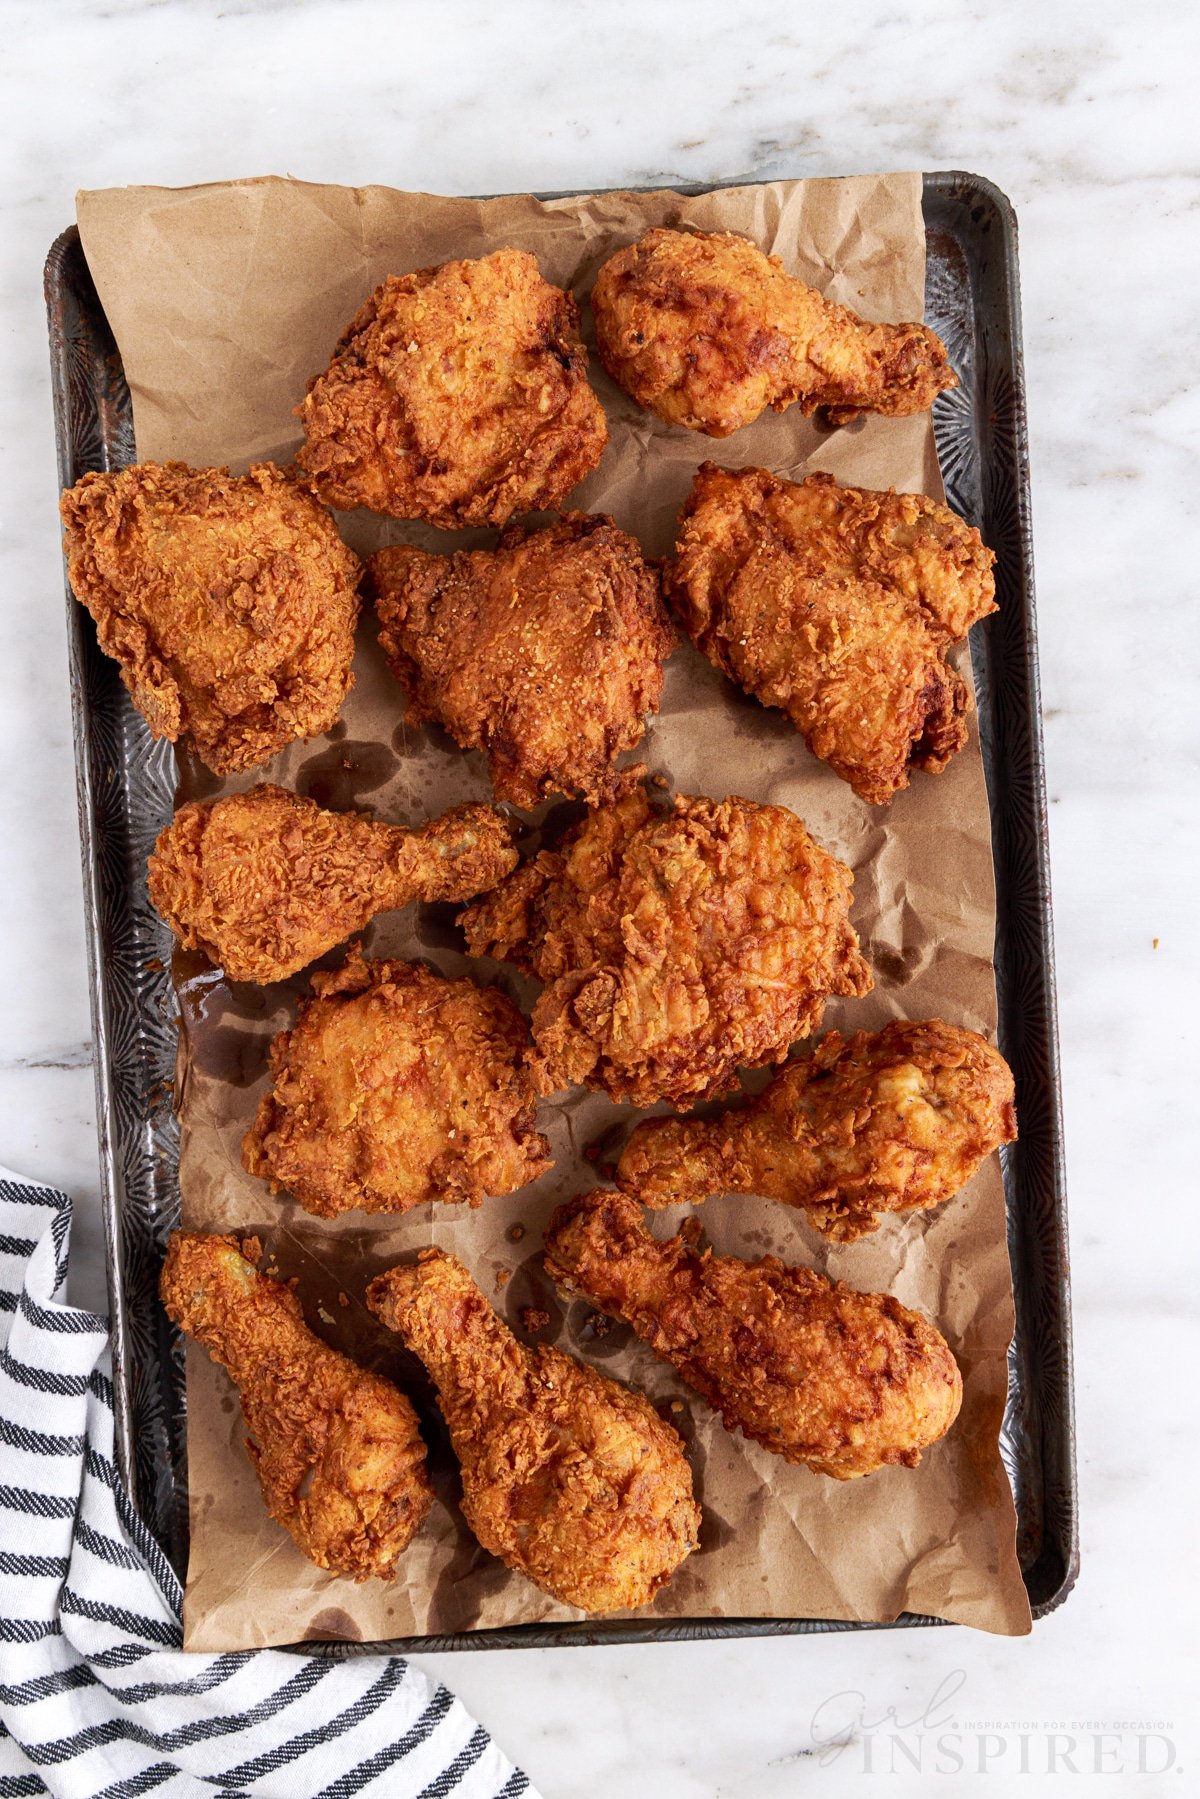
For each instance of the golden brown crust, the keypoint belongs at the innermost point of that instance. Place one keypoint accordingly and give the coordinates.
(570, 1478)
(675, 947)
(881, 1123)
(837, 605)
(546, 652)
(457, 394)
(229, 601)
(337, 1451)
(844, 1382)
(706, 331)
(394, 1087)
(264, 882)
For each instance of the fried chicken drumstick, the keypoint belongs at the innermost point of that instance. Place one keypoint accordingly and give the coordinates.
(228, 600)
(458, 395)
(264, 882)
(546, 652)
(568, 1477)
(337, 1451)
(837, 605)
(877, 1124)
(706, 331)
(394, 1087)
(676, 947)
(844, 1382)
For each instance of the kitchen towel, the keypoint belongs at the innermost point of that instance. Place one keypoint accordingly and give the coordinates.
(97, 1700)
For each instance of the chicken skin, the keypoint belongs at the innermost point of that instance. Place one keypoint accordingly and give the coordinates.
(676, 946)
(546, 653)
(338, 1453)
(844, 1382)
(264, 882)
(892, 1122)
(570, 1478)
(458, 395)
(394, 1087)
(706, 331)
(838, 606)
(229, 601)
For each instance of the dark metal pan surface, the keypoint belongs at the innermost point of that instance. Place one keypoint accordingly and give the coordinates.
(126, 784)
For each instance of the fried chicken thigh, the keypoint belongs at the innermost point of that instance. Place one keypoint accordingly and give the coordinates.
(568, 1477)
(338, 1453)
(838, 606)
(264, 882)
(885, 1123)
(706, 331)
(394, 1087)
(545, 652)
(457, 394)
(844, 1382)
(676, 947)
(229, 601)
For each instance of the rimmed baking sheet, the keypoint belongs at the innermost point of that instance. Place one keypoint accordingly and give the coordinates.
(126, 789)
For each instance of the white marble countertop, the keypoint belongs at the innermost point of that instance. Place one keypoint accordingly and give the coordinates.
(1085, 117)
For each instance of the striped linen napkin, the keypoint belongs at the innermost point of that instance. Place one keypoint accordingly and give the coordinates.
(97, 1700)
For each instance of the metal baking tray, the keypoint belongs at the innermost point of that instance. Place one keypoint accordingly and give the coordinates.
(126, 783)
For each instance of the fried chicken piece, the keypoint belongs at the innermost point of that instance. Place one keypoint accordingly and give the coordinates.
(545, 652)
(836, 605)
(457, 394)
(706, 331)
(568, 1477)
(845, 1382)
(394, 1087)
(229, 601)
(676, 946)
(337, 1451)
(892, 1122)
(264, 882)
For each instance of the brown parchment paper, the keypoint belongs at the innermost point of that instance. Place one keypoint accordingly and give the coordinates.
(224, 300)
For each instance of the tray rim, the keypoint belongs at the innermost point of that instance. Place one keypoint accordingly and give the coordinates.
(939, 185)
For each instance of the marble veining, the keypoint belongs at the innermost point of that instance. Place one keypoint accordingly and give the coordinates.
(1085, 118)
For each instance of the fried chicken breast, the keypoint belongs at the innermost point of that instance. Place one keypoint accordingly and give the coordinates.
(844, 1382)
(676, 946)
(888, 1122)
(837, 605)
(546, 652)
(568, 1477)
(229, 601)
(338, 1452)
(706, 331)
(457, 394)
(394, 1087)
(264, 882)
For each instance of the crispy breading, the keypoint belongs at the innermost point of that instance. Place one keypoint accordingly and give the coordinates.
(457, 394)
(843, 1382)
(264, 882)
(706, 331)
(570, 1478)
(545, 652)
(891, 1122)
(676, 946)
(396, 1086)
(337, 1450)
(837, 605)
(229, 601)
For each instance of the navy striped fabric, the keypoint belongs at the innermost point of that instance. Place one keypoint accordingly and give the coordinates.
(97, 1700)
